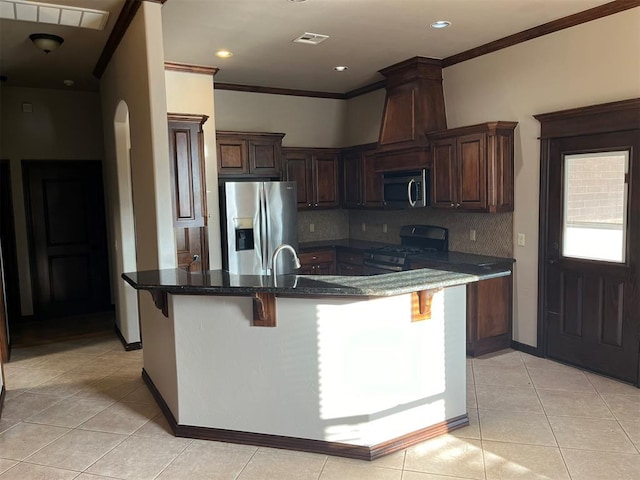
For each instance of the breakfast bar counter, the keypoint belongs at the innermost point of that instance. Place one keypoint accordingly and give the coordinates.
(351, 366)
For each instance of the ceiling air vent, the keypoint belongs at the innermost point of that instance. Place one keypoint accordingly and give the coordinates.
(311, 38)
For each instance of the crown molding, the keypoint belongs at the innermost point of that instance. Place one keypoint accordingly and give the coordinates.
(541, 30)
(184, 67)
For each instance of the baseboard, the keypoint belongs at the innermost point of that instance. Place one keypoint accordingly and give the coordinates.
(303, 444)
(523, 347)
(127, 346)
(3, 392)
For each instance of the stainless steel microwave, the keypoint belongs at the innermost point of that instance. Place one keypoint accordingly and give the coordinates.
(406, 189)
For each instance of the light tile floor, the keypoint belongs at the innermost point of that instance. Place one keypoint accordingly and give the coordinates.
(79, 410)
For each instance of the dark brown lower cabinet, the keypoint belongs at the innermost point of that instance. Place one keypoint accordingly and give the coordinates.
(320, 262)
(350, 261)
(489, 315)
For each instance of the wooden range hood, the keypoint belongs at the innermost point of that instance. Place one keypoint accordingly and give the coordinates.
(414, 106)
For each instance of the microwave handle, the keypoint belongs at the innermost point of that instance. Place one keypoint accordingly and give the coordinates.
(412, 202)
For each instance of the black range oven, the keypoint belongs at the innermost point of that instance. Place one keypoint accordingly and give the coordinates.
(415, 239)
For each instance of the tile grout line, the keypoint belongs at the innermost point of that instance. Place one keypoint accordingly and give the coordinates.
(564, 460)
(245, 465)
(637, 447)
(174, 459)
(475, 392)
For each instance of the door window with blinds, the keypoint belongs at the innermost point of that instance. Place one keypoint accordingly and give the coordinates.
(595, 206)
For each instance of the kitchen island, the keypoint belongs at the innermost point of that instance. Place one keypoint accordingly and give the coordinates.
(351, 366)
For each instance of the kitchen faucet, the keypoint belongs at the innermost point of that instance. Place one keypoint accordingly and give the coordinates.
(276, 252)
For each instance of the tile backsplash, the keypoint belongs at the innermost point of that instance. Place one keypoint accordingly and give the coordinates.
(327, 225)
(494, 232)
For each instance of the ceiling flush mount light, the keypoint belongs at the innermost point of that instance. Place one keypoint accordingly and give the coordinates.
(68, 83)
(340, 68)
(441, 24)
(224, 54)
(46, 41)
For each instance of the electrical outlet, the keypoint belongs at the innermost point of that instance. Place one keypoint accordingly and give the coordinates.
(521, 240)
(364, 227)
(384, 228)
(472, 235)
(312, 227)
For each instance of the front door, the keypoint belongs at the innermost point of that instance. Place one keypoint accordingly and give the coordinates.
(591, 252)
(66, 219)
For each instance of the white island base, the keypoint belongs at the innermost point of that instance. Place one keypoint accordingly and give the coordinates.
(346, 376)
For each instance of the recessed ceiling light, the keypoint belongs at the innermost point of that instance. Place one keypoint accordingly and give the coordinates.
(340, 68)
(441, 24)
(68, 83)
(297, 1)
(224, 54)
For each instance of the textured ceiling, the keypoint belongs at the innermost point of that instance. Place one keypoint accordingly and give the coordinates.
(365, 35)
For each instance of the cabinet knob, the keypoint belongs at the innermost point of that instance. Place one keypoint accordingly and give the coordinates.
(314, 257)
(453, 205)
(457, 205)
(309, 205)
(316, 204)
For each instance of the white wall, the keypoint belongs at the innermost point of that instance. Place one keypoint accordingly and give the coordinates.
(135, 75)
(193, 93)
(307, 122)
(63, 125)
(593, 63)
(364, 115)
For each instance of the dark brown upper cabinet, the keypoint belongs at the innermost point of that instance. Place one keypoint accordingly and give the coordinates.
(361, 183)
(414, 104)
(315, 171)
(249, 153)
(472, 167)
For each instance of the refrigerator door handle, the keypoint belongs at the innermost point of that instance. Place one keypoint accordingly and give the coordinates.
(264, 230)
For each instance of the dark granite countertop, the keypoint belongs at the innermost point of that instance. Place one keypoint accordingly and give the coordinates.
(219, 282)
(461, 262)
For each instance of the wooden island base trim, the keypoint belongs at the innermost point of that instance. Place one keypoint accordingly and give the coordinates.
(160, 300)
(421, 304)
(304, 444)
(264, 310)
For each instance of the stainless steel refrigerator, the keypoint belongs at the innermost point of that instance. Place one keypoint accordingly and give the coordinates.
(256, 218)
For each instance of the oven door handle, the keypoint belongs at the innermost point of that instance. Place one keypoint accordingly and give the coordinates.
(412, 202)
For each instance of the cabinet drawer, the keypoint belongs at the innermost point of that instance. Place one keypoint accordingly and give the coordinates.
(320, 256)
(349, 256)
(348, 269)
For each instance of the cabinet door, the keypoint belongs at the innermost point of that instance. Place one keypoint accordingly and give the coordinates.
(189, 194)
(232, 156)
(325, 175)
(298, 169)
(187, 173)
(472, 171)
(371, 181)
(443, 173)
(351, 179)
(264, 158)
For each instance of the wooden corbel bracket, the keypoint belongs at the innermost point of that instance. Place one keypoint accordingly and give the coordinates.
(264, 310)
(421, 304)
(160, 299)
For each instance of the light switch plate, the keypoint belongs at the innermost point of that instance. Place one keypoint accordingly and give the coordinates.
(472, 235)
(312, 227)
(521, 240)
